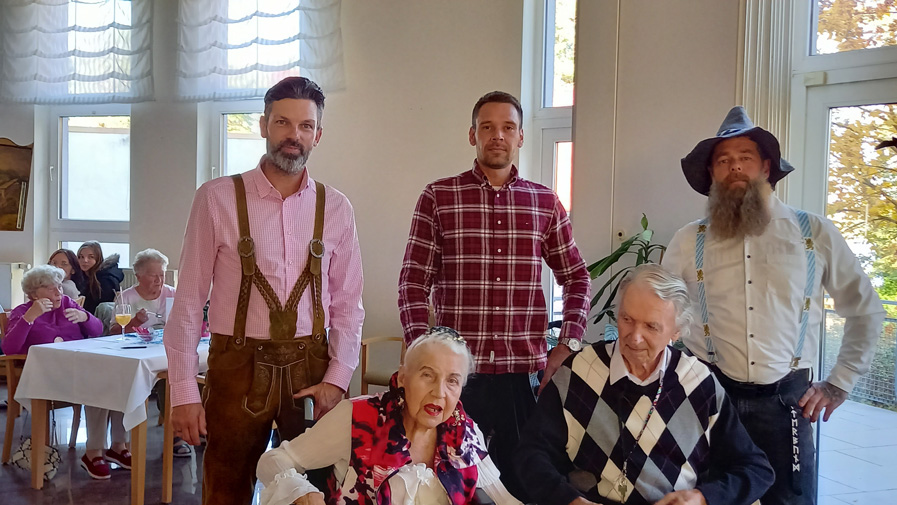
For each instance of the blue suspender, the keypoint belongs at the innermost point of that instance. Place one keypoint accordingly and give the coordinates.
(702, 297)
(809, 249)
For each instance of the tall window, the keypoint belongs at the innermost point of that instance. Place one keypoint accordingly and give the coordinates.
(559, 51)
(844, 104)
(90, 173)
(552, 122)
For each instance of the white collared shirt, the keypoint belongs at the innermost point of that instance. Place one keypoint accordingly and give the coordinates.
(755, 291)
(618, 368)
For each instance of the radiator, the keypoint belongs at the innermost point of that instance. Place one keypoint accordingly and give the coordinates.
(171, 278)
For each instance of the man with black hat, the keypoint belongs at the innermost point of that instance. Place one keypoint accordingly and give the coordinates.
(756, 269)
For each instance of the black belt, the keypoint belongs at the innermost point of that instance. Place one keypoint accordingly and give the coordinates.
(797, 380)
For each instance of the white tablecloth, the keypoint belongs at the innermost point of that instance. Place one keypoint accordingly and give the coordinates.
(97, 372)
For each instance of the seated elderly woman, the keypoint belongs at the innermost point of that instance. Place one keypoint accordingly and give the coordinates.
(635, 421)
(150, 298)
(411, 444)
(51, 316)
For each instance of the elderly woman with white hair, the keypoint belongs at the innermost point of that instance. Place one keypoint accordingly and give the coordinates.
(150, 298)
(410, 445)
(636, 421)
(48, 316)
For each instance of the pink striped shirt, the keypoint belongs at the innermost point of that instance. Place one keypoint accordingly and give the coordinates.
(281, 229)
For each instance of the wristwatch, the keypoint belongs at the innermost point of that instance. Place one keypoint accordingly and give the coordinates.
(573, 344)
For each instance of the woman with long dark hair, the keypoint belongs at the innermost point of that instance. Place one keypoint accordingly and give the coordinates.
(75, 281)
(103, 275)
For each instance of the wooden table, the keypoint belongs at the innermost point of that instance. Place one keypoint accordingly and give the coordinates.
(106, 373)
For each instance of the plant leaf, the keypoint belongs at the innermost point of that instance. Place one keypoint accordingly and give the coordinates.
(646, 235)
(607, 284)
(644, 222)
(598, 268)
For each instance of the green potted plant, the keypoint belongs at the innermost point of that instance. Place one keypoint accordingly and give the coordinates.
(639, 245)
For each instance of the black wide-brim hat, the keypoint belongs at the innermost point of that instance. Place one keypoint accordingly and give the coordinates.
(737, 124)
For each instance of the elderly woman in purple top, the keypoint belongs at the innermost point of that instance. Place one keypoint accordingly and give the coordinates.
(48, 316)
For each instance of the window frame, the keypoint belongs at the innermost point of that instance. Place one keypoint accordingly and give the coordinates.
(543, 126)
(77, 229)
(211, 115)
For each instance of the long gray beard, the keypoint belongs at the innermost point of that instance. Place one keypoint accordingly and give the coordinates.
(286, 163)
(739, 212)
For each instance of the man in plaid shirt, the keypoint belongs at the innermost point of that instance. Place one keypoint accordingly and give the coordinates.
(477, 241)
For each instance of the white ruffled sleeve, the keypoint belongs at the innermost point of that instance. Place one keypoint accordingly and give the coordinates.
(281, 470)
(489, 479)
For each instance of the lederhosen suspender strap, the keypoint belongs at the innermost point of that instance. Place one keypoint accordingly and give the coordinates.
(809, 248)
(282, 318)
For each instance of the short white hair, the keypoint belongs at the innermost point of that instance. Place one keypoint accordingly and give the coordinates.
(444, 336)
(41, 276)
(669, 287)
(148, 256)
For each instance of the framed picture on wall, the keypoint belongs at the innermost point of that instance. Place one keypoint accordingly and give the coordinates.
(15, 175)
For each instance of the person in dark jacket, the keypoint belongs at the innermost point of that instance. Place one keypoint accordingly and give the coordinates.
(636, 421)
(103, 275)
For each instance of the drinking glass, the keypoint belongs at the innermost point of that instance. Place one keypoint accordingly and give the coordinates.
(122, 317)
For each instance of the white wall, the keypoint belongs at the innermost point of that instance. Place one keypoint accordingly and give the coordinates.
(653, 79)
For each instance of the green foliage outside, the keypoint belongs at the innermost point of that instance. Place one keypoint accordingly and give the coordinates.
(850, 25)
(862, 189)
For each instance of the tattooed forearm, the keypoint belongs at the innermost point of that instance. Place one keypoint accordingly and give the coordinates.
(832, 393)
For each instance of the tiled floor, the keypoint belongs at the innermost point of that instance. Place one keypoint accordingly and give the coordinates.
(71, 485)
(858, 456)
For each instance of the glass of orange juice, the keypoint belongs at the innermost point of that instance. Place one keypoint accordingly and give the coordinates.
(122, 317)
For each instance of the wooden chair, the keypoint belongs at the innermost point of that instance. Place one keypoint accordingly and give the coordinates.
(377, 377)
(12, 369)
(168, 439)
(80, 301)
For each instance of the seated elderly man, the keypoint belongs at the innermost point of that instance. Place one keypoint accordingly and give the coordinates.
(635, 421)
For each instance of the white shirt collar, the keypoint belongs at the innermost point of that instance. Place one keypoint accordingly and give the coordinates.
(618, 368)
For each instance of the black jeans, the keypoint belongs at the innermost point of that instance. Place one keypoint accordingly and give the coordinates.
(769, 416)
(500, 405)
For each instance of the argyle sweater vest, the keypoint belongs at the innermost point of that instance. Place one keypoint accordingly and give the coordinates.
(675, 447)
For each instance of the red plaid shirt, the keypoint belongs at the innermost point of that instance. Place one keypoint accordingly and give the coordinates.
(481, 251)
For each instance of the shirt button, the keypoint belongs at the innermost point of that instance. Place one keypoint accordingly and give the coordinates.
(750, 282)
(498, 279)
(290, 262)
(751, 335)
(749, 256)
(752, 362)
(497, 195)
(750, 308)
(499, 221)
(496, 308)
(499, 250)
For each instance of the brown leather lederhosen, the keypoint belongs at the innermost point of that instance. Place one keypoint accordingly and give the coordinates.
(250, 382)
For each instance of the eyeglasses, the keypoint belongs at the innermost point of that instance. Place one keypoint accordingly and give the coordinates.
(451, 332)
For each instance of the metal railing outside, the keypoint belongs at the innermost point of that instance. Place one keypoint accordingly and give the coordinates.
(877, 386)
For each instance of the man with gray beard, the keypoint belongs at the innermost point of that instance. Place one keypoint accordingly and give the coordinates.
(285, 309)
(756, 269)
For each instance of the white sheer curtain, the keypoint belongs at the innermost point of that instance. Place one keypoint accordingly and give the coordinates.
(76, 51)
(237, 49)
